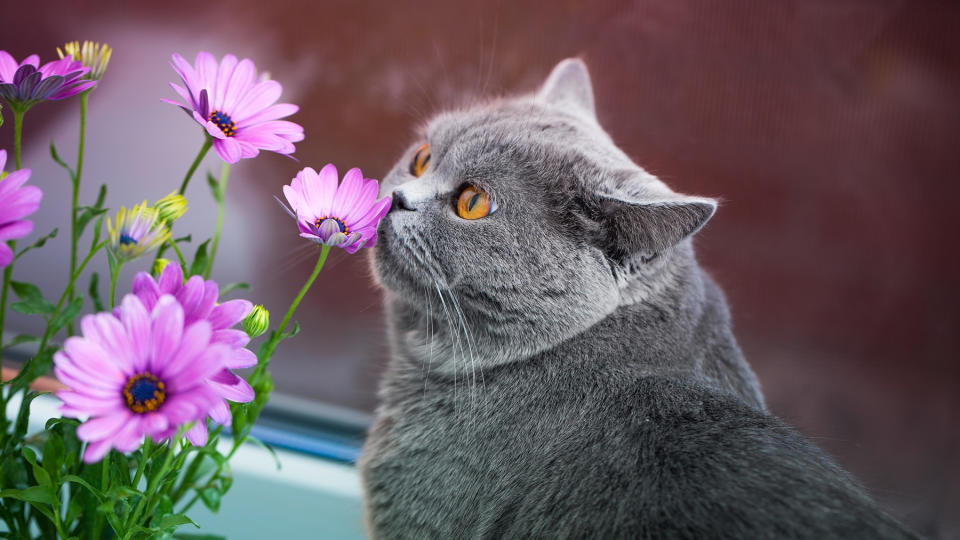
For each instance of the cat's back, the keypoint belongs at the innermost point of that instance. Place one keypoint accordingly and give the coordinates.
(606, 456)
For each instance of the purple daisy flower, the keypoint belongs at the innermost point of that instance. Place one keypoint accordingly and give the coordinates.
(198, 299)
(16, 202)
(236, 109)
(345, 216)
(140, 373)
(28, 83)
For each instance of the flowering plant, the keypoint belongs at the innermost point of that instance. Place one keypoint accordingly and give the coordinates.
(147, 378)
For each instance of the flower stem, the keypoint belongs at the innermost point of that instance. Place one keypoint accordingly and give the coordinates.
(306, 286)
(76, 192)
(17, 133)
(154, 482)
(115, 265)
(266, 351)
(220, 193)
(207, 143)
(8, 271)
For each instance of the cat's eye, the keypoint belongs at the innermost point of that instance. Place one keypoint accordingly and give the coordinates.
(474, 203)
(421, 160)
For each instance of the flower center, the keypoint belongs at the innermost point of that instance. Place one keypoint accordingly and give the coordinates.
(340, 223)
(144, 393)
(224, 122)
(126, 239)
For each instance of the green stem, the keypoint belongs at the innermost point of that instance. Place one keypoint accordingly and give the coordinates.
(220, 195)
(98, 521)
(63, 297)
(153, 483)
(76, 192)
(8, 271)
(207, 143)
(324, 251)
(17, 134)
(176, 249)
(115, 265)
(266, 351)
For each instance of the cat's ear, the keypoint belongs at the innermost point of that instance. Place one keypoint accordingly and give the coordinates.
(569, 85)
(630, 225)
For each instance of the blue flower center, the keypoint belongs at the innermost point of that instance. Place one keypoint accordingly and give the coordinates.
(224, 122)
(126, 239)
(340, 223)
(144, 393)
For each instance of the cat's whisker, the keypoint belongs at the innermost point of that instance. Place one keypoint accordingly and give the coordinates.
(457, 341)
(470, 342)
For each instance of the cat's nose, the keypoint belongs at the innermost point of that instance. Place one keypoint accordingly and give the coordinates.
(400, 201)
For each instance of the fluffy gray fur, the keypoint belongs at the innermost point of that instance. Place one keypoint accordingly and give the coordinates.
(562, 368)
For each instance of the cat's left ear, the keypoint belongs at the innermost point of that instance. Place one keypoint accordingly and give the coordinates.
(630, 225)
(569, 85)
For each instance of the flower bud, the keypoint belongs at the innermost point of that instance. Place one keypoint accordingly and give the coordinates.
(93, 55)
(257, 322)
(171, 207)
(159, 265)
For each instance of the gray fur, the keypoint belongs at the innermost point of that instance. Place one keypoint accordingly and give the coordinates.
(563, 368)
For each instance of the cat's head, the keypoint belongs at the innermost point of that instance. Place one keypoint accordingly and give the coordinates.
(520, 223)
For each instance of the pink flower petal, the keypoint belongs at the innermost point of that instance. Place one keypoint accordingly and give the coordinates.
(102, 427)
(229, 313)
(146, 289)
(228, 150)
(167, 332)
(171, 279)
(198, 434)
(347, 193)
(232, 387)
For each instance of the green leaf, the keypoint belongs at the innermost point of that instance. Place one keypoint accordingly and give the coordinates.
(53, 454)
(175, 520)
(56, 157)
(215, 188)
(94, 291)
(97, 229)
(41, 475)
(61, 319)
(187, 238)
(268, 448)
(38, 244)
(38, 494)
(200, 259)
(23, 417)
(230, 287)
(31, 299)
(77, 480)
(291, 333)
(19, 339)
(211, 498)
(87, 213)
(54, 422)
(36, 366)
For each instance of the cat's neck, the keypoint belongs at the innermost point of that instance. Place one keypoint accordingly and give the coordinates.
(677, 327)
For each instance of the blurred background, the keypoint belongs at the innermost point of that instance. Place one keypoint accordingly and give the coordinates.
(828, 128)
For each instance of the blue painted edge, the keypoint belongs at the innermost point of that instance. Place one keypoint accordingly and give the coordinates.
(312, 445)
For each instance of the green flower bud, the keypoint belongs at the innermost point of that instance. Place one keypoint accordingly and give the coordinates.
(159, 265)
(171, 207)
(257, 322)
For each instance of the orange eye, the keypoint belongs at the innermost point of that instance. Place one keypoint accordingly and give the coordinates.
(421, 160)
(474, 203)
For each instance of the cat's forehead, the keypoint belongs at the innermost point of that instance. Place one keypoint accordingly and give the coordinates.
(501, 119)
(519, 131)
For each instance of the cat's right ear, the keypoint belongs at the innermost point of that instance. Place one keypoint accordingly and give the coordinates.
(631, 225)
(569, 85)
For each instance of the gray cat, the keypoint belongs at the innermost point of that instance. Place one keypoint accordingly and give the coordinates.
(561, 367)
